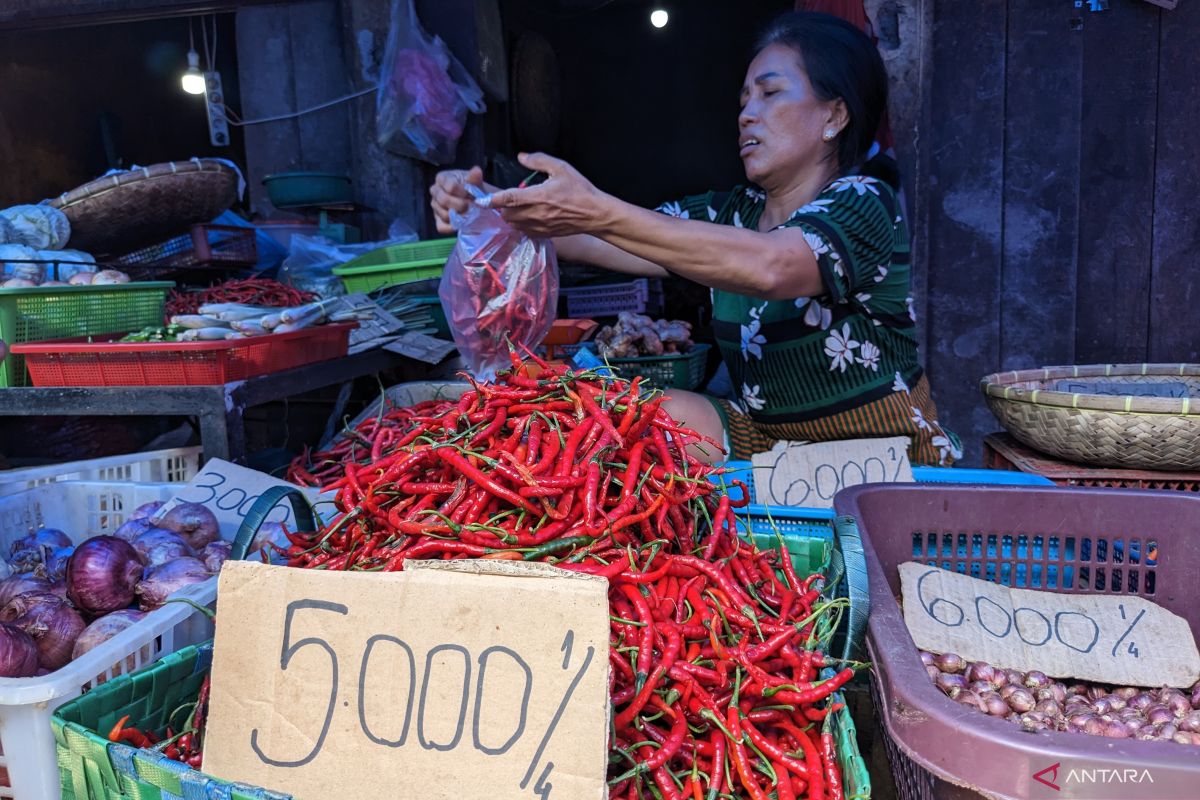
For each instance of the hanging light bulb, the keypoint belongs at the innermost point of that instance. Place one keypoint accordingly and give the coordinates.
(659, 17)
(193, 79)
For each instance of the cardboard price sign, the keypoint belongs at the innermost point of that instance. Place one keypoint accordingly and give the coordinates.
(447, 680)
(229, 491)
(795, 474)
(1119, 639)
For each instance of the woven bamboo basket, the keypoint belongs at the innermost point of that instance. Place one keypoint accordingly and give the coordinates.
(124, 212)
(1107, 430)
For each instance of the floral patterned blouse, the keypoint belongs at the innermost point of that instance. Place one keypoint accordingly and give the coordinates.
(797, 360)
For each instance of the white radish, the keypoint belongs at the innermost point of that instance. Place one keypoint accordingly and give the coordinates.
(198, 321)
(81, 278)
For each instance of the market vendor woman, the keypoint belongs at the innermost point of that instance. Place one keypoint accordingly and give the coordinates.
(808, 263)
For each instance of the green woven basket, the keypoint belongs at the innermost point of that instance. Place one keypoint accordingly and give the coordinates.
(59, 312)
(396, 264)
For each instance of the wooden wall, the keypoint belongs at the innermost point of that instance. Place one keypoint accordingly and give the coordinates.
(1054, 196)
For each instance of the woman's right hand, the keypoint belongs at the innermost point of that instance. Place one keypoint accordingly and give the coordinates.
(449, 193)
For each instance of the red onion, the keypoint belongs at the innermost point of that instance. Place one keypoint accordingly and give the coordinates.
(52, 623)
(102, 575)
(1096, 692)
(1190, 723)
(18, 653)
(1158, 715)
(1115, 729)
(1020, 699)
(930, 670)
(1078, 722)
(948, 682)
(166, 579)
(55, 565)
(1095, 726)
(1164, 731)
(14, 585)
(979, 687)
(146, 510)
(969, 698)
(1013, 676)
(950, 662)
(994, 704)
(59, 588)
(51, 538)
(1102, 706)
(132, 529)
(1034, 721)
(1035, 679)
(1124, 692)
(105, 628)
(215, 555)
(1117, 703)
(1195, 698)
(979, 671)
(1141, 701)
(1175, 700)
(926, 658)
(195, 523)
(1048, 707)
(158, 546)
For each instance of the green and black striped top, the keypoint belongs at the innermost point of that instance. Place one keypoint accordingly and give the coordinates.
(796, 360)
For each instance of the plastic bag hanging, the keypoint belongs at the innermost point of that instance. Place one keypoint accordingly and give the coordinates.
(424, 92)
(499, 286)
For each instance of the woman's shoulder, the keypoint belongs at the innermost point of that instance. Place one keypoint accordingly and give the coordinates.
(851, 200)
(859, 186)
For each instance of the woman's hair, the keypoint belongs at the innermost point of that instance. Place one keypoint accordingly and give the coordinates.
(841, 61)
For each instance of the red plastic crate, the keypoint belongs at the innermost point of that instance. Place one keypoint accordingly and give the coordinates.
(77, 362)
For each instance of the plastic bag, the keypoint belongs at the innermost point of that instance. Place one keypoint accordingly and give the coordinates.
(499, 286)
(424, 92)
(39, 227)
(310, 264)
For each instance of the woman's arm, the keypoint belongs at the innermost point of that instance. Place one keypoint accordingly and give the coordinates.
(588, 249)
(777, 265)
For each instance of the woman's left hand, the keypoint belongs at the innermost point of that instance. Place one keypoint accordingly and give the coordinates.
(566, 203)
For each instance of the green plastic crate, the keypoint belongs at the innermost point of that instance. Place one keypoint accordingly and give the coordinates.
(93, 768)
(59, 312)
(396, 264)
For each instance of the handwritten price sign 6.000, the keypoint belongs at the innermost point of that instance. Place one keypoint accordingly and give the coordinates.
(1120, 639)
(794, 474)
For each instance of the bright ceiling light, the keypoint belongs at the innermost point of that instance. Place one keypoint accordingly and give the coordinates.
(659, 18)
(193, 80)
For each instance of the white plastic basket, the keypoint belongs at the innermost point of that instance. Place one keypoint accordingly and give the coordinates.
(177, 465)
(81, 509)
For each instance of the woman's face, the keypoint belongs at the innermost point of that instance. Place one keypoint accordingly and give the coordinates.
(782, 121)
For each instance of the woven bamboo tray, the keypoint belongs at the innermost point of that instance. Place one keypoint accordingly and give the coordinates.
(124, 212)
(1157, 433)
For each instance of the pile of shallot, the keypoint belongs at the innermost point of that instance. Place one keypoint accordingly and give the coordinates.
(61, 600)
(1036, 702)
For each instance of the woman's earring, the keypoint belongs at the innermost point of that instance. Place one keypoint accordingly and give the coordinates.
(829, 134)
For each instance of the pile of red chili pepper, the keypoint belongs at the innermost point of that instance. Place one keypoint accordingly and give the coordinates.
(252, 291)
(359, 445)
(714, 678)
(186, 746)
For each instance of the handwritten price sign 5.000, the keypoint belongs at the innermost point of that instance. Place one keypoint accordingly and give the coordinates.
(432, 682)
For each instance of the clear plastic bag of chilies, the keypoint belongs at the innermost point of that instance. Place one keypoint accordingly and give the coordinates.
(500, 286)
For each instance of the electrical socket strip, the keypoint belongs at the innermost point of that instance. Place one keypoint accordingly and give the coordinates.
(214, 101)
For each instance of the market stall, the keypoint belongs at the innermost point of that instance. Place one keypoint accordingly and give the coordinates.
(514, 481)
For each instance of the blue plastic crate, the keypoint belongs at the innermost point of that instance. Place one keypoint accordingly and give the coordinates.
(766, 520)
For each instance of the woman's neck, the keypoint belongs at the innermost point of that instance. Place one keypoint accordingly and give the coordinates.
(783, 200)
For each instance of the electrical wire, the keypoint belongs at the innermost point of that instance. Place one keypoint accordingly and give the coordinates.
(234, 118)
